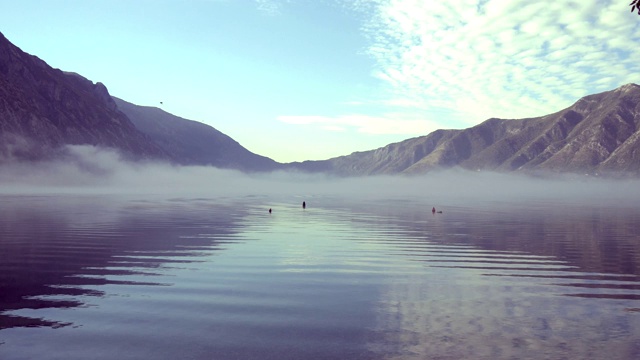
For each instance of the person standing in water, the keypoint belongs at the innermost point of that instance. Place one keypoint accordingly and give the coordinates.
(304, 205)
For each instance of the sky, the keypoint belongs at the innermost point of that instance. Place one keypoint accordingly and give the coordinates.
(298, 80)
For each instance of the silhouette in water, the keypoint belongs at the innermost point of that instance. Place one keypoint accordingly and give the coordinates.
(304, 205)
(269, 210)
(433, 210)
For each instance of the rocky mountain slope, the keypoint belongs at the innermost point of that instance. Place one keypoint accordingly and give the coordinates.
(598, 134)
(42, 109)
(193, 143)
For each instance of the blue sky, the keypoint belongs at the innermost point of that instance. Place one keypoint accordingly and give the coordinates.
(309, 79)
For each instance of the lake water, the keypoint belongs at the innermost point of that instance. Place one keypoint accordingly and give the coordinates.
(125, 277)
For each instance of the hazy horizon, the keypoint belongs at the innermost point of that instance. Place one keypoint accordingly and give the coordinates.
(92, 170)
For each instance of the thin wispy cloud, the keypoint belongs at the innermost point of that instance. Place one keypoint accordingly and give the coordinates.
(270, 7)
(497, 58)
(375, 125)
(454, 64)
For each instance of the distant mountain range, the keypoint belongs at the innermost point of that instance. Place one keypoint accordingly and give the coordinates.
(598, 134)
(42, 109)
(193, 143)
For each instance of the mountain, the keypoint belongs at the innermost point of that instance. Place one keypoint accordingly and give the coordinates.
(42, 109)
(193, 143)
(598, 134)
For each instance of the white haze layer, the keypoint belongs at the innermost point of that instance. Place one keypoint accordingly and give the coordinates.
(91, 170)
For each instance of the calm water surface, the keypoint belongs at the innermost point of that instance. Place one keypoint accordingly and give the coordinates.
(103, 277)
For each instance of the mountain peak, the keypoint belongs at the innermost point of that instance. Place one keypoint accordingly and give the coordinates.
(628, 87)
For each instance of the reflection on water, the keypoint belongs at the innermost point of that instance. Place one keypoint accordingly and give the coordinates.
(55, 252)
(93, 277)
(497, 279)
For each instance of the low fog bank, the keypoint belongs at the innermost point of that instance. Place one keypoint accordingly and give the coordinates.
(91, 170)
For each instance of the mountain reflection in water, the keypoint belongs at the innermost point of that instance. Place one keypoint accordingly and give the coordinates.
(101, 277)
(56, 252)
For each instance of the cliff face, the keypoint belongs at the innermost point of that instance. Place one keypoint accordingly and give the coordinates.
(598, 134)
(192, 143)
(42, 108)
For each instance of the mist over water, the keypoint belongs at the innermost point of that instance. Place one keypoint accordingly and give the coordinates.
(102, 259)
(88, 169)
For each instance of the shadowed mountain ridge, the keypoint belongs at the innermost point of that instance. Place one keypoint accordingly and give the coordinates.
(42, 109)
(193, 143)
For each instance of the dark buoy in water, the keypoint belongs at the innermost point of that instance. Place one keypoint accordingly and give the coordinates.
(433, 210)
(269, 210)
(304, 205)
(439, 211)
